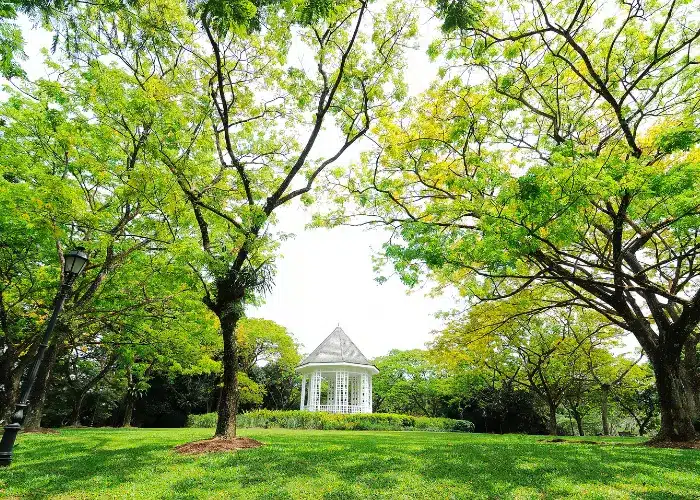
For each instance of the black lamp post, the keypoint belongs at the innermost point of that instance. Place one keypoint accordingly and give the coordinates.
(75, 262)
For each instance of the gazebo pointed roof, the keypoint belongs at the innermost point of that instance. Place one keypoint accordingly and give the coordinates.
(337, 348)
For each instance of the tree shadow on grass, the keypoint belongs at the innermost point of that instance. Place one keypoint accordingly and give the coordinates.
(563, 470)
(80, 461)
(390, 468)
(335, 465)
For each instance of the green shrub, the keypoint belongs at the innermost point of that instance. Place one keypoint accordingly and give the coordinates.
(332, 421)
(205, 420)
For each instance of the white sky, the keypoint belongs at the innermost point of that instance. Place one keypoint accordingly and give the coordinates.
(325, 277)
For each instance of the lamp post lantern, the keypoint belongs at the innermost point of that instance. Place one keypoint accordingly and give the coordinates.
(75, 262)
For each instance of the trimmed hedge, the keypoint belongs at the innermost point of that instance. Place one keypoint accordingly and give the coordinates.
(357, 422)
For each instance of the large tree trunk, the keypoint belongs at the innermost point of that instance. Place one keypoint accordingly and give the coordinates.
(228, 401)
(675, 399)
(579, 423)
(10, 394)
(94, 411)
(81, 392)
(642, 425)
(604, 395)
(552, 423)
(35, 412)
(77, 405)
(12, 368)
(692, 369)
(128, 411)
(128, 399)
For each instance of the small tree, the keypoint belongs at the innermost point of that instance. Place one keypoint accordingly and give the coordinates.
(410, 382)
(637, 397)
(608, 372)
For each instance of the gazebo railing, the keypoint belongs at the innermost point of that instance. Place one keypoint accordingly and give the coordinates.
(339, 408)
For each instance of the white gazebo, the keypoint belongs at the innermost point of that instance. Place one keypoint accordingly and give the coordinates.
(336, 377)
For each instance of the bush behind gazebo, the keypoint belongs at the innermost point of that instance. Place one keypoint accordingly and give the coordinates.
(295, 419)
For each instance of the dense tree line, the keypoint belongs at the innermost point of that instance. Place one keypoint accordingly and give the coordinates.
(91, 387)
(533, 387)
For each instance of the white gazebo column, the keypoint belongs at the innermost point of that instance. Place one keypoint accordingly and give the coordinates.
(341, 388)
(369, 393)
(331, 398)
(317, 395)
(310, 393)
(303, 391)
(364, 393)
(346, 393)
(352, 392)
(336, 393)
(355, 393)
(315, 391)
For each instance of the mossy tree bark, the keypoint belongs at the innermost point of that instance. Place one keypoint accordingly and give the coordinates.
(676, 399)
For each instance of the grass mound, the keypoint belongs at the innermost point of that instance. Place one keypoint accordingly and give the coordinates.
(682, 445)
(571, 441)
(266, 419)
(40, 430)
(217, 444)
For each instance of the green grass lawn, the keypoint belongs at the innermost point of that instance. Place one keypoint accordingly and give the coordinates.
(140, 463)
